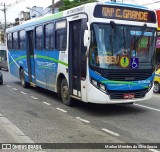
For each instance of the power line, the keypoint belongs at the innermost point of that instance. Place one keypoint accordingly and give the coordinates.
(5, 7)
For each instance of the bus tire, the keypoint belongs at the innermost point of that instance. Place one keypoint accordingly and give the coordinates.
(22, 78)
(1, 82)
(156, 87)
(65, 95)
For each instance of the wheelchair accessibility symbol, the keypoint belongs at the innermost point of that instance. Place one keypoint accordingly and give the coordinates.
(134, 63)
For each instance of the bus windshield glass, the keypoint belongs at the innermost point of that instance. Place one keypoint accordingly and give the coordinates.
(121, 46)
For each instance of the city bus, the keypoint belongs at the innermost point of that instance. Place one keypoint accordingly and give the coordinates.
(101, 52)
(158, 39)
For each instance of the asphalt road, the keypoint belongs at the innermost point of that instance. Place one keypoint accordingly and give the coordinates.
(44, 119)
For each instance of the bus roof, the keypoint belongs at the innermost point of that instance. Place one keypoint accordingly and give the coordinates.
(126, 5)
(81, 8)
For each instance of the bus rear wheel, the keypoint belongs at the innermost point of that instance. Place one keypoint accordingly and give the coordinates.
(65, 94)
(22, 78)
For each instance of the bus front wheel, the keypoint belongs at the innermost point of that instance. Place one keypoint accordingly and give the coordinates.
(22, 78)
(65, 95)
(156, 87)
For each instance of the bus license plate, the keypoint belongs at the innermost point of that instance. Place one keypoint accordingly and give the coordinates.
(128, 96)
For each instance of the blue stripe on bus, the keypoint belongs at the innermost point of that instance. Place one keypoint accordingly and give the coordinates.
(121, 85)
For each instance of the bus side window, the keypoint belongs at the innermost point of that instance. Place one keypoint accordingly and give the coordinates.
(15, 40)
(9, 40)
(49, 36)
(39, 38)
(61, 35)
(22, 40)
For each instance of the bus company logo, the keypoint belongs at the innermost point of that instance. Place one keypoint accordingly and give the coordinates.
(75, 10)
(130, 78)
(46, 64)
(6, 146)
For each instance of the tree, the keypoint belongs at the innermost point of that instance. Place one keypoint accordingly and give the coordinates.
(69, 4)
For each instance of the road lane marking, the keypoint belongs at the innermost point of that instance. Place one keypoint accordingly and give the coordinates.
(34, 97)
(83, 120)
(8, 86)
(23, 92)
(154, 150)
(61, 110)
(147, 107)
(47, 103)
(14, 89)
(111, 132)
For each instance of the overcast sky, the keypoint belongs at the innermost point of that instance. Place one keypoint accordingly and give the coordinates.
(13, 11)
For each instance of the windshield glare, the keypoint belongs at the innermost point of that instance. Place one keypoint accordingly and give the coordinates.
(115, 47)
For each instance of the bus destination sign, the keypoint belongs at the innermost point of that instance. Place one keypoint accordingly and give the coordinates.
(124, 13)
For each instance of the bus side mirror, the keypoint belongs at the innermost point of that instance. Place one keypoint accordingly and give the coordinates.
(86, 40)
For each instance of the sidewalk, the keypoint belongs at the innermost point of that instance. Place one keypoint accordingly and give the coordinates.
(10, 133)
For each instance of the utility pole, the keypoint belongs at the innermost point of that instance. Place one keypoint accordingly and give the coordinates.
(52, 6)
(4, 11)
(5, 20)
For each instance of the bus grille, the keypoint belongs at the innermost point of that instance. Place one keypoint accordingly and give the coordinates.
(131, 76)
(119, 94)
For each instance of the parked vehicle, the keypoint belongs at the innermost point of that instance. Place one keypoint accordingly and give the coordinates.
(3, 59)
(157, 81)
(1, 78)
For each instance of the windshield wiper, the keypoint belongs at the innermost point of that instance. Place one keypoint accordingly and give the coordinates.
(122, 38)
(113, 25)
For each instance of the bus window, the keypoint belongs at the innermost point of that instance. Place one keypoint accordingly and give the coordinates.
(49, 36)
(61, 35)
(22, 40)
(39, 38)
(9, 40)
(15, 40)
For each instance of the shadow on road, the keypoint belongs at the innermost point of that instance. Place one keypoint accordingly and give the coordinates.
(89, 108)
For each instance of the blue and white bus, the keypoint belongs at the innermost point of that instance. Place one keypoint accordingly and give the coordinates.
(100, 52)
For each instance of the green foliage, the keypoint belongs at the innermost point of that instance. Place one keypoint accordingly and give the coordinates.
(70, 4)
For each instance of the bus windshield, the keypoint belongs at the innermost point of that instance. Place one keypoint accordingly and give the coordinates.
(122, 46)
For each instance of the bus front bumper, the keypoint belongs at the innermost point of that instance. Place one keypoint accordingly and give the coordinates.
(99, 97)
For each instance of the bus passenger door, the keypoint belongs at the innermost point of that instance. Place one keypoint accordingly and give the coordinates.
(30, 56)
(77, 64)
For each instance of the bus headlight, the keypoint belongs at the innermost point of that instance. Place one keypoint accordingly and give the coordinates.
(94, 83)
(102, 88)
(99, 86)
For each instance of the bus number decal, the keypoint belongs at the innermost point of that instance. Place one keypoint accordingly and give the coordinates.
(107, 59)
